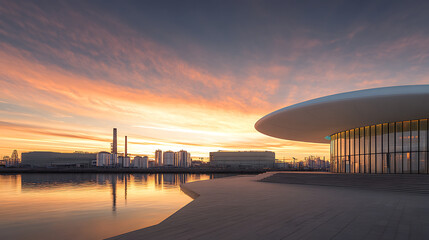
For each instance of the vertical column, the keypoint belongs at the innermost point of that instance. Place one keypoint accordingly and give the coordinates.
(126, 147)
(115, 141)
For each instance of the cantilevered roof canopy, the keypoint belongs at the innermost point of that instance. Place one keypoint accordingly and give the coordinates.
(313, 120)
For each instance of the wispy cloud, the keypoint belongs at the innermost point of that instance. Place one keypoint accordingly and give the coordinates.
(72, 71)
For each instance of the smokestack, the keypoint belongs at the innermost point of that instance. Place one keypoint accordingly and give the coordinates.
(126, 146)
(115, 141)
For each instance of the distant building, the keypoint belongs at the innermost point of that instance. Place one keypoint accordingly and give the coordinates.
(176, 159)
(114, 159)
(183, 159)
(281, 165)
(103, 159)
(140, 162)
(126, 162)
(11, 161)
(151, 163)
(14, 158)
(52, 159)
(315, 163)
(168, 158)
(158, 157)
(251, 159)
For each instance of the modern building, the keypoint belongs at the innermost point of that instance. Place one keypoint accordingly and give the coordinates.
(168, 158)
(55, 159)
(184, 159)
(380, 130)
(158, 157)
(176, 158)
(251, 159)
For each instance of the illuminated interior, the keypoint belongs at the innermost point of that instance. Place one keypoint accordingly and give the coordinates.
(396, 147)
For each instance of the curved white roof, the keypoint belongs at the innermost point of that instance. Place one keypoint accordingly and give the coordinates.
(313, 120)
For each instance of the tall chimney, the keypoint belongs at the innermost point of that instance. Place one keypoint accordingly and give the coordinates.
(126, 146)
(115, 141)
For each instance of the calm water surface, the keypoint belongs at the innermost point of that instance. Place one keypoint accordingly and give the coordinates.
(87, 206)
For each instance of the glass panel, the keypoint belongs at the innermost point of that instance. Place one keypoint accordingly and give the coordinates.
(414, 162)
(338, 152)
(373, 138)
(373, 163)
(362, 164)
(406, 162)
(367, 163)
(391, 163)
(362, 140)
(334, 165)
(399, 137)
(347, 140)
(385, 163)
(406, 136)
(334, 140)
(347, 170)
(379, 165)
(398, 164)
(343, 164)
(423, 134)
(357, 141)
(392, 132)
(415, 135)
(352, 142)
(356, 163)
(352, 163)
(385, 138)
(378, 137)
(422, 162)
(338, 146)
(338, 164)
(367, 140)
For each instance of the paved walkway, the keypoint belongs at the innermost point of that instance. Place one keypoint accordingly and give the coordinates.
(244, 208)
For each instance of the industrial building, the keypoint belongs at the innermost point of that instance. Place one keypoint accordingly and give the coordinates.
(251, 159)
(140, 162)
(115, 142)
(380, 130)
(103, 159)
(55, 159)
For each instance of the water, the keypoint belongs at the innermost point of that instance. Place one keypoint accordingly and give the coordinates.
(87, 206)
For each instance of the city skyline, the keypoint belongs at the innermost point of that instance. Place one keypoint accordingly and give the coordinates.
(73, 71)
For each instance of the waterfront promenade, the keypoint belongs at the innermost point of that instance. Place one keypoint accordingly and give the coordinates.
(299, 206)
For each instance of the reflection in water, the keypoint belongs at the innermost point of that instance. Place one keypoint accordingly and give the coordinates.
(114, 194)
(77, 206)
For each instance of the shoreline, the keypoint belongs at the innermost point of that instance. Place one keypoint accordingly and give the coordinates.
(130, 170)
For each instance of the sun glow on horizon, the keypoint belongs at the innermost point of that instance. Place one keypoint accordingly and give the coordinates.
(69, 76)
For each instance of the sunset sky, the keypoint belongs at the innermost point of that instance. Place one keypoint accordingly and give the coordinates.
(193, 75)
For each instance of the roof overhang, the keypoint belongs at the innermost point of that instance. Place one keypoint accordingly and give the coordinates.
(314, 120)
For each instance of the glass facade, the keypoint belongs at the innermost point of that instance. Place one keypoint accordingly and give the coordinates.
(398, 147)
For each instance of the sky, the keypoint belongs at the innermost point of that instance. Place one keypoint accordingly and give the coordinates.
(193, 75)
